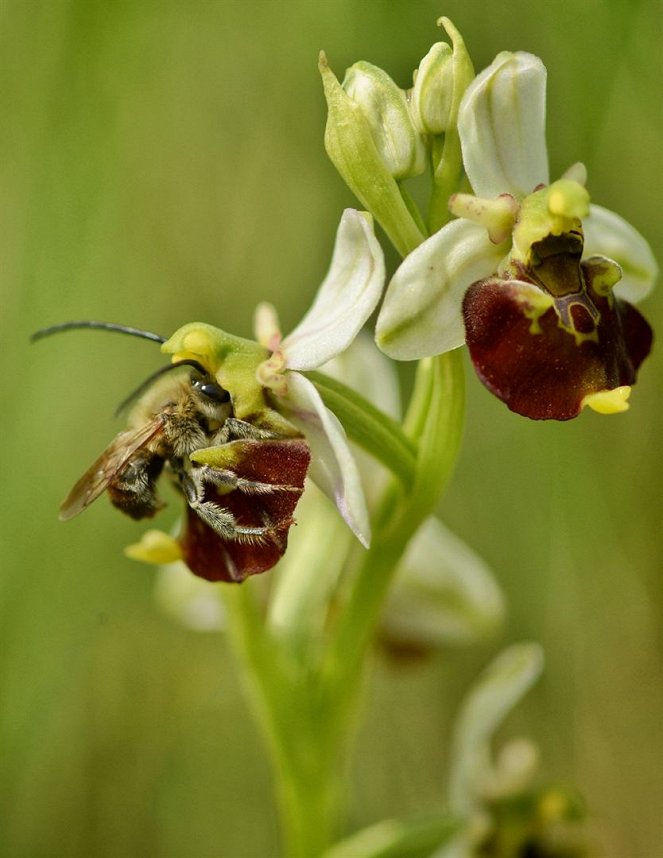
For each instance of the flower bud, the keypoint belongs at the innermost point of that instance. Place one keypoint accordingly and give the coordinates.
(433, 90)
(384, 106)
(439, 83)
(354, 151)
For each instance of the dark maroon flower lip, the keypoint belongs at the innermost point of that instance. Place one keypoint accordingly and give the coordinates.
(547, 339)
(283, 464)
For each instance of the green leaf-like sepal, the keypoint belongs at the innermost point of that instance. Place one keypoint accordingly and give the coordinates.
(351, 147)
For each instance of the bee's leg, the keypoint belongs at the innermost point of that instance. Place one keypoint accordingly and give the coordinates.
(239, 430)
(221, 520)
(229, 481)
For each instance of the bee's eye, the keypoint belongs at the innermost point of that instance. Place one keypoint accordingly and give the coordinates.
(211, 390)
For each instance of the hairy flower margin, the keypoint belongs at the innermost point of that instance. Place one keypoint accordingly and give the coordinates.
(547, 333)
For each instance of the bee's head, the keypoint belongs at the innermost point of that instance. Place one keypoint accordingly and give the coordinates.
(211, 399)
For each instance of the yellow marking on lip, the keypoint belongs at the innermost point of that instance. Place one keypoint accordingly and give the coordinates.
(608, 401)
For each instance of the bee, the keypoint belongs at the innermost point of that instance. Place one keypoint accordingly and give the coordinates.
(239, 510)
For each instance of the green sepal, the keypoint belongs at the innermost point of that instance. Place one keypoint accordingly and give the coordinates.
(350, 146)
(370, 428)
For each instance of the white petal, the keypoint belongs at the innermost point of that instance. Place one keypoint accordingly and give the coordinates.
(266, 326)
(347, 297)
(443, 593)
(422, 311)
(333, 467)
(494, 694)
(502, 126)
(367, 370)
(607, 234)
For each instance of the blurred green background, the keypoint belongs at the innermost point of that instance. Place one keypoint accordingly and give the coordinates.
(162, 162)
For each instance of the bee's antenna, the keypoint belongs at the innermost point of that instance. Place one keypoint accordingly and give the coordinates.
(142, 387)
(102, 326)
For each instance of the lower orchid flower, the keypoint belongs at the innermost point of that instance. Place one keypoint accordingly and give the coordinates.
(535, 279)
(268, 391)
(238, 433)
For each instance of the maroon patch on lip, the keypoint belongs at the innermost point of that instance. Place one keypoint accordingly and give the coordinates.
(582, 321)
(276, 462)
(546, 374)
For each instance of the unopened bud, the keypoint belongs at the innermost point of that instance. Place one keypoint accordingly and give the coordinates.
(439, 83)
(385, 108)
(432, 94)
(350, 141)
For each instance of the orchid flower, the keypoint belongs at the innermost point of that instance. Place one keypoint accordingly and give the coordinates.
(531, 276)
(269, 392)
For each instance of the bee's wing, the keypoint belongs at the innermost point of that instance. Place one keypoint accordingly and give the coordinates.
(95, 480)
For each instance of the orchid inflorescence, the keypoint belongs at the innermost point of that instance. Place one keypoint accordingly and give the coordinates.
(537, 282)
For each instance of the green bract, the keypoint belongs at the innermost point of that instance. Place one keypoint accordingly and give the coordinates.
(350, 144)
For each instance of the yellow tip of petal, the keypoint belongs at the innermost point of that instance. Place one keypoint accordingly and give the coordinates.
(608, 401)
(154, 547)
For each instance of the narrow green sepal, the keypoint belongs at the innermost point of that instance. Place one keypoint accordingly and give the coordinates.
(370, 428)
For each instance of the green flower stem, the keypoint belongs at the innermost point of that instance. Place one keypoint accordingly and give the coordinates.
(447, 164)
(437, 414)
(303, 663)
(366, 425)
(307, 787)
(305, 751)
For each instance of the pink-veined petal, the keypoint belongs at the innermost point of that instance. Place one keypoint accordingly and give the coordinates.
(332, 467)
(422, 311)
(347, 297)
(266, 326)
(501, 123)
(452, 601)
(608, 234)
